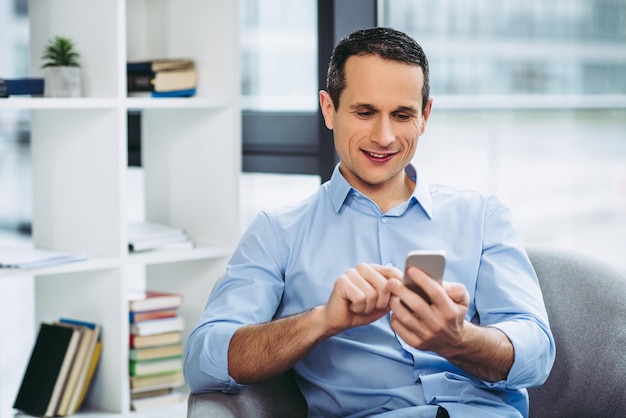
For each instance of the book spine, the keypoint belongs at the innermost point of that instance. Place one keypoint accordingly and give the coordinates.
(93, 363)
(139, 82)
(68, 321)
(139, 67)
(175, 93)
(150, 315)
(63, 374)
(18, 86)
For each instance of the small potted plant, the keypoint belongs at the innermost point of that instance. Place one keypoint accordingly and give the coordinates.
(61, 68)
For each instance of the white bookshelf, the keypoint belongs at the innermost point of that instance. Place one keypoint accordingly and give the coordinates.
(191, 158)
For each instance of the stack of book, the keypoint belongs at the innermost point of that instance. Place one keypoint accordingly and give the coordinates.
(144, 236)
(162, 78)
(156, 350)
(61, 368)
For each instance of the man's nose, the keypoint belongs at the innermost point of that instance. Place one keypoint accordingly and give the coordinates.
(383, 132)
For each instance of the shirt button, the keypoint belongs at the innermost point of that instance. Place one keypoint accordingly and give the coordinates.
(388, 265)
(384, 220)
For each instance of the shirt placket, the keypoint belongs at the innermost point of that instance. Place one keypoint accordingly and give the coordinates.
(386, 256)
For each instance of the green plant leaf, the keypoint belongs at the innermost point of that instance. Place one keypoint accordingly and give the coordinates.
(60, 52)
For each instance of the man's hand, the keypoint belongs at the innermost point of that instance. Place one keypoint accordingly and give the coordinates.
(485, 352)
(360, 296)
(429, 327)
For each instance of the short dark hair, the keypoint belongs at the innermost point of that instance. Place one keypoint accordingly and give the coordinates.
(387, 43)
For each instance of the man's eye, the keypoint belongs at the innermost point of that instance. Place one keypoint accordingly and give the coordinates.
(365, 114)
(402, 116)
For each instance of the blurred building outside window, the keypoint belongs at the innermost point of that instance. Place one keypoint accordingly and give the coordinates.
(529, 104)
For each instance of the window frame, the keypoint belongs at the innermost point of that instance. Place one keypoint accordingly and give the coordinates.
(269, 144)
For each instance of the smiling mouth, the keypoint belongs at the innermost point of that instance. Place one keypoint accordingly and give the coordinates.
(378, 157)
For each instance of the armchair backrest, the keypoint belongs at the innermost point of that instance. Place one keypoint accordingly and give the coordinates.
(586, 304)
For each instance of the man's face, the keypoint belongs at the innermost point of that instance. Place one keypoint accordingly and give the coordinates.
(378, 122)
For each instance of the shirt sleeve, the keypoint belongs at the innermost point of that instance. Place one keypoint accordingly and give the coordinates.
(249, 293)
(509, 298)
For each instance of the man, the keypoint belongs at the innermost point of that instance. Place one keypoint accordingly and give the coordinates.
(318, 286)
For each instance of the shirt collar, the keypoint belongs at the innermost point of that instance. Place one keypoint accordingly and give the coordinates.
(340, 188)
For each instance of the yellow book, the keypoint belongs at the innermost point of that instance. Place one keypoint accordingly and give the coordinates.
(90, 372)
(175, 80)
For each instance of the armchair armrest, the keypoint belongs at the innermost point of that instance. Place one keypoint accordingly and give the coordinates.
(277, 397)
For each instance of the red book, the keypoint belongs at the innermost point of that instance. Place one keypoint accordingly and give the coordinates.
(152, 301)
(148, 315)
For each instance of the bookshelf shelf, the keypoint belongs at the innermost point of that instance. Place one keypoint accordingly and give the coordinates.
(48, 103)
(163, 412)
(139, 103)
(74, 267)
(173, 256)
(104, 263)
(191, 157)
(134, 103)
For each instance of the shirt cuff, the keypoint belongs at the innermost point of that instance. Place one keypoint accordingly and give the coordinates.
(532, 364)
(214, 356)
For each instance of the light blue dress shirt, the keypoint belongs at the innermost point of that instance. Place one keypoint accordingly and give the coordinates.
(288, 260)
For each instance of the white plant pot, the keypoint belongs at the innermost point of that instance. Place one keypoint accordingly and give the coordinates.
(62, 82)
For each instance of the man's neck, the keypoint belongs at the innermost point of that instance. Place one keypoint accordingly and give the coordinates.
(389, 195)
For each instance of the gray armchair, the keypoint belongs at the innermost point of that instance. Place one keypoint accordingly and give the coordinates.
(586, 303)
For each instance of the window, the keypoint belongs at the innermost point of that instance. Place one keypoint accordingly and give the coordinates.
(285, 51)
(279, 89)
(15, 178)
(278, 55)
(529, 104)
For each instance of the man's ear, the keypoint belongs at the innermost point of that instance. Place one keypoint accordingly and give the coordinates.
(426, 115)
(328, 108)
